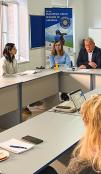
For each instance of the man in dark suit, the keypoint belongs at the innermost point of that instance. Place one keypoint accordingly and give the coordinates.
(89, 56)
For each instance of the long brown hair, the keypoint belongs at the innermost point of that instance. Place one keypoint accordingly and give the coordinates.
(6, 52)
(54, 52)
(89, 147)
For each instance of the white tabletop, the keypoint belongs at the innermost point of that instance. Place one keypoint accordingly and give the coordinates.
(58, 131)
(15, 78)
(78, 71)
(93, 92)
(83, 71)
(9, 81)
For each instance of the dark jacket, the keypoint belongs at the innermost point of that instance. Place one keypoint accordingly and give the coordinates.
(79, 167)
(75, 167)
(83, 57)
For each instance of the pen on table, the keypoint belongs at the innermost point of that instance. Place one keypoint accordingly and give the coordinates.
(15, 146)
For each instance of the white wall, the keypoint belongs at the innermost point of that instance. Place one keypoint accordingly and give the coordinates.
(87, 15)
(79, 22)
(93, 13)
(93, 16)
(95, 33)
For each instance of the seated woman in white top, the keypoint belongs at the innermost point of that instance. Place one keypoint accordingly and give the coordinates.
(8, 61)
(8, 64)
(58, 55)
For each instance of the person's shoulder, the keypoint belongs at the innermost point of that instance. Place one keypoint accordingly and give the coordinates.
(65, 54)
(51, 56)
(90, 170)
(82, 50)
(2, 59)
(14, 60)
(97, 49)
(76, 166)
(78, 162)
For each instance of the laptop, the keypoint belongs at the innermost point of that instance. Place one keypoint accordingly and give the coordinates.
(78, 98)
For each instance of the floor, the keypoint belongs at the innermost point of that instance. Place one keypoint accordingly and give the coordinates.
(45, 105)
(36, 110)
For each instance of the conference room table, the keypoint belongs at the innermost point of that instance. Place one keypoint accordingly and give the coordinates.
(71, 104)
(79, 78)
(9, 101)
(9, 95)
(19, 90)
(86, 79)
(39, 86)
(96, 78)
(59, 132)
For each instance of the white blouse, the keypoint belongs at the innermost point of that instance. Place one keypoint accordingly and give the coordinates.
(7, 67)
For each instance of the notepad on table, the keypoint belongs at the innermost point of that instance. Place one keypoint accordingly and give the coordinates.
(16, 146)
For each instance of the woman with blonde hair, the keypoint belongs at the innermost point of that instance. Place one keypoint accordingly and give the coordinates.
(87, 154)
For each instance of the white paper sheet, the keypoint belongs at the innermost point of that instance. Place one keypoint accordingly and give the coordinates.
(19, 145)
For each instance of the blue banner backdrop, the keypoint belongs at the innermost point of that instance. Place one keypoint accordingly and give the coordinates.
(58, 20)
